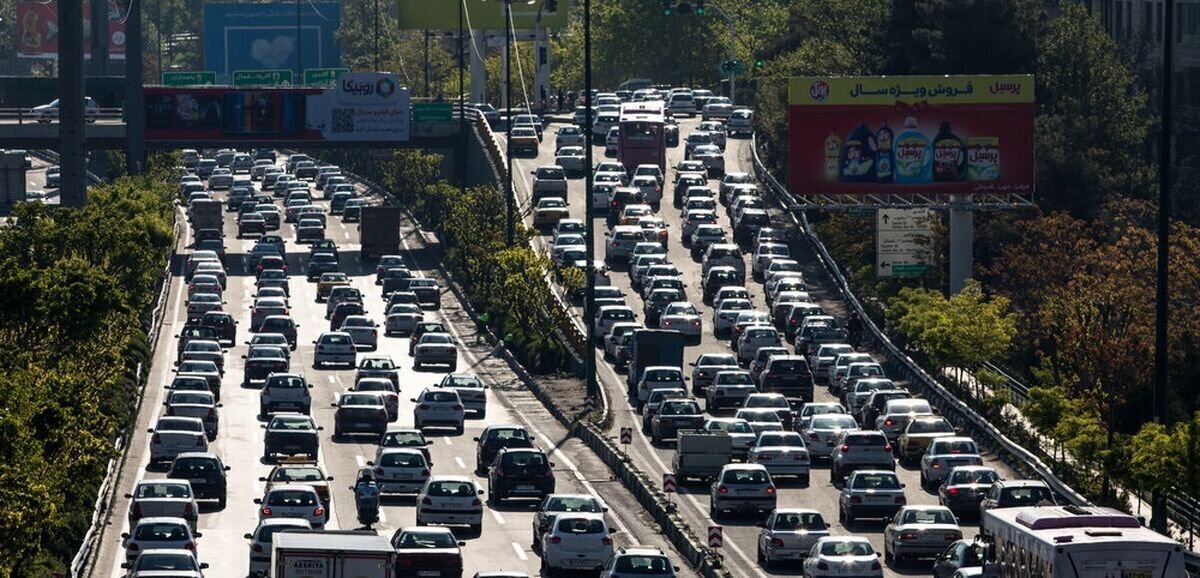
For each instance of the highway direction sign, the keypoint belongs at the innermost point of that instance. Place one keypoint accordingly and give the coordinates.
(189, 78)
(902, 242)
(323, 76)
(432, 112)
(262, 78)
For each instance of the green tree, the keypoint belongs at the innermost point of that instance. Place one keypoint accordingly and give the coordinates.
(1157, 459)
(963, 36)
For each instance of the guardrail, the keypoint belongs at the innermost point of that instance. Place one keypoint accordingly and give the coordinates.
(1019, 391)
(31, 115)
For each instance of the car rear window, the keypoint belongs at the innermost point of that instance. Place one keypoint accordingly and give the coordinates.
(292, 498)
(298, 474)
(580, 526)
(447, 489)
(163, 491)
(876, 482)
(739, 476)
(643, 565)
(160, 532)
(551, 174)
(402, 460)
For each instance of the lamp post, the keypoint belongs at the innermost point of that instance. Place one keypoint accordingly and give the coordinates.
(509, 200)
(299, 47)
(377, 36)
(589, 306)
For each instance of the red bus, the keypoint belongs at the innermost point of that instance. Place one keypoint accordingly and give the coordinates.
(642, 137)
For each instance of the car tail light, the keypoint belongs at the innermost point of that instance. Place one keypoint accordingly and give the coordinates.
(855, 499)
(770, 490)
(187, 510)
(936, 465)
(845, 448)
(476, 502)
(814, 437)
(952, 491)
(901, 500)
(888, 421)
(764, 458)
(136, 510)
(200, 442)
(875, 565)
(379, 471)
(404, 561)
(722, 490)
(257, 548)
(423, 406)
(555, 540)
(266, 511)
(887, 447)
(319, 511)
(190, 546)
(133, 546)
(824, 566)
(606, 541)
(908, 536)
(776, 542)
(952, 537)
(427, 502)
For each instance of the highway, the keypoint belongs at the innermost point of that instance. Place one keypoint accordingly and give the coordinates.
(740, 534)
(505, 540)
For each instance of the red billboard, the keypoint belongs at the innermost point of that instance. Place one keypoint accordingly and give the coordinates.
(911, 134)
(37, 28)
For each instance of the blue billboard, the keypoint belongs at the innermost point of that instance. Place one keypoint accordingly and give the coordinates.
(250, 36)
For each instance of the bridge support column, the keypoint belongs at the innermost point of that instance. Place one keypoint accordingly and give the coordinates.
(962, 242)
(135, 110)
(71, 148)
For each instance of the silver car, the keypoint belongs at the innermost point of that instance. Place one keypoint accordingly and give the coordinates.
(729, 388)
(742, 488)
(823, 431)
(870, 494)
(163, 497)
(919, 531)
(783, 454)
(789, 534)
(811, 410)
(705, 369)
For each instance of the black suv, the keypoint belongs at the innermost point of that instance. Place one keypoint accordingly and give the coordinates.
(520, 473)
(321, 263)
(291, 434)
(205, 471)
(495, 438)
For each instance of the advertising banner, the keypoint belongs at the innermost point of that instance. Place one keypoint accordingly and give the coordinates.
(911, 134)
(480, 14)
(363, 106)
(37, 28)
(251, 36)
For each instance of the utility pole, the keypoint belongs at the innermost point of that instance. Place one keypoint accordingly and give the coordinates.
(158, 36)
(377, 36)
(1158, 501)
(589, 307)
(509, 202)
(299, 48)
(135, 108)
(427, 91)
(72, 149)
(462, 110)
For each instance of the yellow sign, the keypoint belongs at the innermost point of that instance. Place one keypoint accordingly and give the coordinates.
(888, 90)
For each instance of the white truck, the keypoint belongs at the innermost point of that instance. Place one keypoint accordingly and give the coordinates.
(331, 554)
(700, 454)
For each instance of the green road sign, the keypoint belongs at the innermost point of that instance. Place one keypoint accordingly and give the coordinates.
(189, 78)
(323, 76)
(432, 112)
(262, 78)
(909, 269)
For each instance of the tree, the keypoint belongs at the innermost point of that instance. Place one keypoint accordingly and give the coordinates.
(1045, 408)
(963, 36)
(1157, 459)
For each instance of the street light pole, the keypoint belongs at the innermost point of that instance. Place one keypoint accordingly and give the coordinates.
(462, 110)
(1158, 501)
(376, 35)
(299, 48)
(589, 358)
(732, 52)
(508, 179)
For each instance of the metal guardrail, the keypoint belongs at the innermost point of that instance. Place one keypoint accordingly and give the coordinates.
(950, 406)
(1019, 391)
(31, 116)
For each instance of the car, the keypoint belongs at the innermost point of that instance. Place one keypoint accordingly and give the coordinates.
(706, 367)
(857, 371)
(264, 360)
(251, 223)
(180, 563)
(201, 303)
(471, 390)
(658, 377)
(328, 281)
(651, 189)
(571, 159)
(919, 531)
(450, 500)
(429, 295)
(435, 349)
(789, 534)
(674, 415)
(549, 180)
(49, 112)
(705, 235)
(823, 358)
(402, 318)
(742, 488)
(520, 473)
(320, 264)
(655, 229)
(875, 494)
(683, 317)
(760, 420)
(858, 449)
(897, 413)
(300, 471)
(858, 395)
(205, 350)
(360, 412)
(741, 121)
(783, 453)
(639, 561)
(681, 103)
(944, 454)
(576, 541)
(197, 404)
(753, 338)
(220, 179)
(716, 130)
(174, 435)
(438, 407)
(568, 136)
(291, 434)
(400, 470)
(549, 211)
(206, 475)
(171, 497)
(919, 434)
(835, 556)
(427, 552)
(494, 438)
(334, 347)
(822, 431)
(524, 139)
(725, 314)
(1016, 494)
(717, 107)
(964, 488)
(554, 505)
(841, 362)
(363, 331)
(878, 399)
(158, 533)
(262, 537)
(385, 389)
(747, 223)
(759, 361)
(293, 501)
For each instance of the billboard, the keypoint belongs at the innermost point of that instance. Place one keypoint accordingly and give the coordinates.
(364, 107)
(37, 28)
(480, 14)
(911, 134)
(249, 36)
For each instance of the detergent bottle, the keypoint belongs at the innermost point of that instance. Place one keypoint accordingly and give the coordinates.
(949, 155)
(913, 155)
(883, 160)
(858, 156)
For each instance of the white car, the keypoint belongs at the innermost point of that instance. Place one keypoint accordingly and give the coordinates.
(402, 318)
(612, 140)
(683, 317)
(400, 470)
(566, 241)
(438, 406)
(843, 556)
(163, 498)
(712, 157)
(334, 347)
(293, 501)
(570, 158)
(176, 435)
(739, 430)
(158, 533)
(383, 387)
(568, 136)
(741, 121)
(204, 350)
(763, 256)
(450, 500)
(549, 181)
(789, 535)
(824, 430)
(363, 330)
(920, 531)
(783, 454)
(263, 536)
(639, 562)
(471, 390)
(945, 454)
(609, 315)
(576, 541)
(754, 337)
(725, 314)
(717, 107)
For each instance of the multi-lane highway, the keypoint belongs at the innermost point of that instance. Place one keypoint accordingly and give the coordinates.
(504, 543)
(740, 534)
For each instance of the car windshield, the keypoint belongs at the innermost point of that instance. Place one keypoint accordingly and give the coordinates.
(956, 447)
(420, 539)
(179, 424)
(643, 565)
(335, 339)
(508, 434)
(298, 474)
(194, 467)
(846, 548)
(662, 376)
(726, 360)
(381, 385)
(450, 489)
(789, 366)
(774, 401)
(265, 352)
(286, 381)
(799, 521)
(876, 482)
(164, 491)
(758, 415)
(930, 516)
(925, 426)
(292, 498)
(573, 505)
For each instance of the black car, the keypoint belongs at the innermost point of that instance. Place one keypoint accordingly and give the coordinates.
(321, 263)
(261, 362)
(251, 223)
(360, 412)
(520, 473)
(495, 438)
(194, 331)
(291, 434)
(344, 310)
(396, 279)
(205, 471)
(223, 324)
(324, 246)
(717, 278)
(208, 235)
(280, 324)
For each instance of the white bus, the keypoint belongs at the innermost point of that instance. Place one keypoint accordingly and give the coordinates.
(1075, 542)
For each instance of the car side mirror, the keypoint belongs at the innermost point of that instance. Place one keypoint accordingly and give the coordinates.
(149, 430)
(320, 428)
(126, 565)
(412, 399)
(310, 386)
(128, 496)
(828, 525)
(248, 536)
(902, 485)
(197, 535)
(263, 426)
(243, 357)
(329, 479)
(475, 439)
(461, 544)
(333, 405)
(370, 463)
(258, 500)
(480, 492)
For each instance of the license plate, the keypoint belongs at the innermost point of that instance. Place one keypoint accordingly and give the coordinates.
(525, 488)
(428, 573)
(878, 499)
(363, 424)
(195, 482)
(742, 492)
(1137, 573)
(577, 563)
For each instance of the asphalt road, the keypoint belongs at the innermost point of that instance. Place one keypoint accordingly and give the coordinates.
(505, 540)
(740, 535)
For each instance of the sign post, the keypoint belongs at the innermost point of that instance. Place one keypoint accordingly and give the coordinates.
(715, 537)
(627, 437)
(189, 78)
(323, 76)
(902, 242)
(262, 77)
(668, 486)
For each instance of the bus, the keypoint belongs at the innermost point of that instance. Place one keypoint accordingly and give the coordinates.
(1075, 542)
(642, 139)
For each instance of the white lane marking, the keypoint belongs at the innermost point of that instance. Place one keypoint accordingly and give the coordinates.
(382, 518)
(497, 516)
(449, 441)
(346, 234)
(460, 462)
(332, 378)
(362, 462)
(520, 551)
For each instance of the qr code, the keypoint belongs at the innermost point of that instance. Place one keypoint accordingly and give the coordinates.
(343, 120)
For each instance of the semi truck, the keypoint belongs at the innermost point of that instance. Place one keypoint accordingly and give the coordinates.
(379, 231)
(331, 554)
(653, 347)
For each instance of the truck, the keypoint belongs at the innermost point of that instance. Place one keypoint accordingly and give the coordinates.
(700, 454)
(331, 554)
(379, 231)
(653, 347)
(206, 214)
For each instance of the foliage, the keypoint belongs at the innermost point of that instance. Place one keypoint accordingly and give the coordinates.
(74, 284)
(963, 36)
(965, 330)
